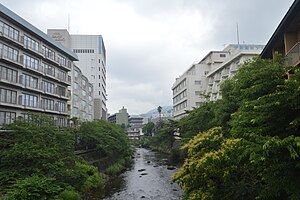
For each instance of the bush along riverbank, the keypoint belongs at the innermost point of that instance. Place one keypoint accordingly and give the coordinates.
(38, 161)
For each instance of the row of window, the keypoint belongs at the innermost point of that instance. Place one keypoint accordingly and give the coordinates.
(180, 96)
(180, 106)
(31, 81)
(179, 86)
(7, 117)
(9, 31)
(8, 52)
(10, 96)
(83, 50)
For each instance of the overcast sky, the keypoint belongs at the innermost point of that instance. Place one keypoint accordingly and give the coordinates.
(151, 42)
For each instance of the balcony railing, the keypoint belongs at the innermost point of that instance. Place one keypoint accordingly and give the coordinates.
(293, 55)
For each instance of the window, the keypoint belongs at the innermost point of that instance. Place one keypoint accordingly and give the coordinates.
(7, 117)
(31, 43)
(49, 87)
(60, 121)
(197, 82)
(222, 55)
(49, 53)
(8, 52)
(198, 93)
(76, 86)
(62, 75)
(76, 73)
(8, 96)
(29, 100)
(31, 62)
(61, 91)
(9, 31)
(62, 60)
(206, 72)
(48, 104)
(8, 74)
(61, 106)
(83, 82)
(83, 93)
(50, 70)
(30, 81)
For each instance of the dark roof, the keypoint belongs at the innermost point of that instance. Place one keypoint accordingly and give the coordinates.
(29, 27)
(282, 27)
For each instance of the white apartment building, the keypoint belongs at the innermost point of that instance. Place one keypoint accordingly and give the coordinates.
(82, 103)
(92, 62)
(189, 87)
(201, 82)
(33, 71)
(238, 54)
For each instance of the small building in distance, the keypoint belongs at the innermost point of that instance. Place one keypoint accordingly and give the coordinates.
(120, 118)
(134, 130)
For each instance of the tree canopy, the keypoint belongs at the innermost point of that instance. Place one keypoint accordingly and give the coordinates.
(254, 153)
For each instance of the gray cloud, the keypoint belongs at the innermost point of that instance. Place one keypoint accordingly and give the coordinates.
(151, 42)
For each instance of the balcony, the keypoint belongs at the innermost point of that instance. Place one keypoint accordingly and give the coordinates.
(37, 50)
(225, 73)
(11, 57)
(211, 81)
(293, 55)
(9, 36)
(217, 77)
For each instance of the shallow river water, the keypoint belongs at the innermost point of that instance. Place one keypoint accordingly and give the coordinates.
(148, 179)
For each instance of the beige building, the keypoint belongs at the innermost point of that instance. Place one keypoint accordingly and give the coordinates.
(82, 101)
(33, 71)
(120, 118)
(91, 52)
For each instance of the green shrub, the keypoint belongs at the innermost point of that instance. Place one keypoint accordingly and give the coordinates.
(34, 188)
(116, 168)
(69, 195)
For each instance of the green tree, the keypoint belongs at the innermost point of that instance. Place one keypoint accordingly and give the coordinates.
(148, 128)
(109, 140)
(35, 153)
(255, 154)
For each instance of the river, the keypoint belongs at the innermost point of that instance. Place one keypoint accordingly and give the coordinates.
(149, 179)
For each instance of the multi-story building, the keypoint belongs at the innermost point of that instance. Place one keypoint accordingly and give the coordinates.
(120, 118)
(189, 87)
(33, 71)
(82, 103)
(135, 127)
(201, 82)
(238, 54)
(286, 38)
(92, 62)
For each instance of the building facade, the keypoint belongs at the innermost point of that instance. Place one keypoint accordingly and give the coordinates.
(201, 82)
(286, 38)
(238, 54)
(120, 118)
(135, 127)
(189, 87)
(33, 71)
(92, 62)
(82, 102)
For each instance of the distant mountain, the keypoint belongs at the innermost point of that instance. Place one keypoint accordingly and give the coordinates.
(166, 110)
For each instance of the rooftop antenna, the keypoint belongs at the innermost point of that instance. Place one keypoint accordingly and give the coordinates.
(237, 34)
(69, 23)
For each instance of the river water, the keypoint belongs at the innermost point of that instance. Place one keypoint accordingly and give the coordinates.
(148, 179)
